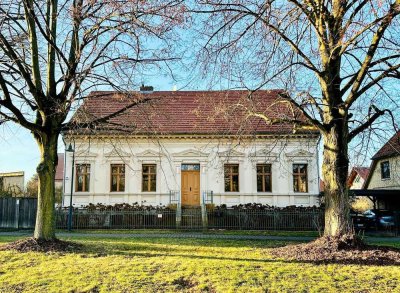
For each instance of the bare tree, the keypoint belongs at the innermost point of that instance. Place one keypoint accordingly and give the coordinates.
(52, 52)
(32, 186)
(337, 59)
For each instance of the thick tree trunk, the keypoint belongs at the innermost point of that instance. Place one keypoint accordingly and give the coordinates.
(335, 168)
(45, 218)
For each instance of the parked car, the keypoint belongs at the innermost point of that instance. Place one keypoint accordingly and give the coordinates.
(379, 218)
(359, 220)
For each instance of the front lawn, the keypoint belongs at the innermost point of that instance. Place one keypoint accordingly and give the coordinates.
(173, 264)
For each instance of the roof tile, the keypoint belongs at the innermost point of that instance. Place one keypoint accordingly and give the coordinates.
(389, 149)
(186, 112)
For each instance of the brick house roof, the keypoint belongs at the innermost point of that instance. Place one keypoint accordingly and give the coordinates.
(389, 149)
(186, 112)
(361, 171)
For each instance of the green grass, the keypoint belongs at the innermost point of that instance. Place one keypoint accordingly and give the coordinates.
(165, 264)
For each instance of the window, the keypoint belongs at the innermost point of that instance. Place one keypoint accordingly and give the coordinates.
(82, 177)
(300, 178)
(264, 179)
(117, 177)
(357, 179)
(1, 183)
(385, 170)
(149, 178)
(231, 172)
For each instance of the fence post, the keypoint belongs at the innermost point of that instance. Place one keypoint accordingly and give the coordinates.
(178, 217)
(16, 224)
(204, 219)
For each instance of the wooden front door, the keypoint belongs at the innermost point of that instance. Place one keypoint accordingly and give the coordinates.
(190, 188)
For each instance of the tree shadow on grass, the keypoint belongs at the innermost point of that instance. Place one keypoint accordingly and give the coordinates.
(144, 254)
(371, 255)
(201, 249)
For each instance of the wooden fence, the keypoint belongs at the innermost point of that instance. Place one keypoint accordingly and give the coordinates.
(17, 213)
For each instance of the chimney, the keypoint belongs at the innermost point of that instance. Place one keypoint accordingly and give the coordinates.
(146, 89)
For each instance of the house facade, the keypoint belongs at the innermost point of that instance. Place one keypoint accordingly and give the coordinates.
(383, 181)
(181, 147)
(12, 183)
(385, 167)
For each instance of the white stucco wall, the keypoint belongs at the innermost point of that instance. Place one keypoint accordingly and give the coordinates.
(170, 153)
(376, 182)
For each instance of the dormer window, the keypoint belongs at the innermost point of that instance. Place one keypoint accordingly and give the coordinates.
(385, 170)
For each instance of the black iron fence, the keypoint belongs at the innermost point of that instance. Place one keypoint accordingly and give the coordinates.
(193, 219)
(117, 219)
(266, 220)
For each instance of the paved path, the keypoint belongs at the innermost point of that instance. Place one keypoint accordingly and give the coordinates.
(196, 235)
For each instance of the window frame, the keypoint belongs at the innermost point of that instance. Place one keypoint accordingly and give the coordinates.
(149, 175)
(85, 175)
(119, 174)
(298, 176)
(230, 176)
(263, 175)
(383, 177)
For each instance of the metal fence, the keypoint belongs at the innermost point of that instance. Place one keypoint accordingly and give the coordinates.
(192, 219)
(117, 219)
(266, 220)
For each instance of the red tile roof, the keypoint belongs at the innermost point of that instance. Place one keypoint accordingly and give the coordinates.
(389, 149)
(60, 168)
(361, 171)
(186, 112)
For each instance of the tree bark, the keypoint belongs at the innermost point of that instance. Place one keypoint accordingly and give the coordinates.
(46, 170)
(335, 168)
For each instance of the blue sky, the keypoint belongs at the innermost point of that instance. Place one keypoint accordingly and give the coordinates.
(18, 150)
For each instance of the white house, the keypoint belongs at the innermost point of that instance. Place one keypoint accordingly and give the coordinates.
(383, 182)
(158, 147)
